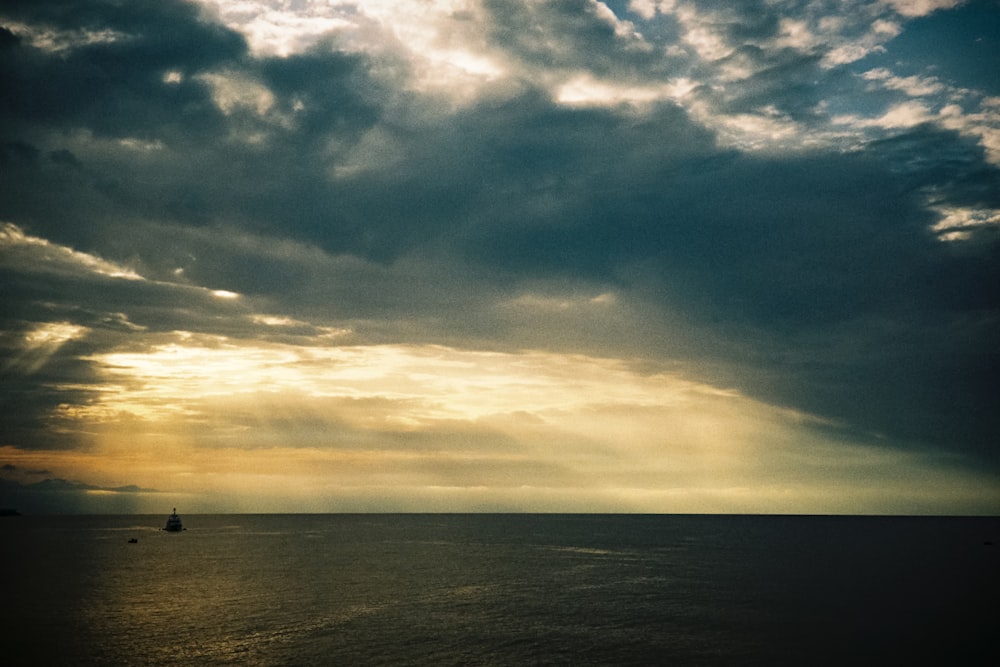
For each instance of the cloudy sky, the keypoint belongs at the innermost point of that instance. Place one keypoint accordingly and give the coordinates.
(485, 255)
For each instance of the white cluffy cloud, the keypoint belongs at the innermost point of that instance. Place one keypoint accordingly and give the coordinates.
(451, 54)
(916, 8)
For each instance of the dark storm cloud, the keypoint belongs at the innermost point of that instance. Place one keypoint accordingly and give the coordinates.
(817, 271)
(176, 153)
(942, 162)
(786, 81)
(569, 34)
(31, 404)
(113, 86)
(791, 247)
(499, 169)
(330, 86)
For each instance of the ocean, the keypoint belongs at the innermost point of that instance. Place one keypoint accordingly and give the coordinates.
(488, 589)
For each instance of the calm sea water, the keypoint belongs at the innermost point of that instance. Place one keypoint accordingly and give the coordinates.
(499, 590)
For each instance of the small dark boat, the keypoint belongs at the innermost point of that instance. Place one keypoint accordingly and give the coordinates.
(133, 541)
(174, 524)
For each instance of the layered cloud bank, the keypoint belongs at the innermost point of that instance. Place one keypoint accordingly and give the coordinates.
(557, 256)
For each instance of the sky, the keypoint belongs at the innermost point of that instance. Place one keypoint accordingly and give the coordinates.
(478, 255)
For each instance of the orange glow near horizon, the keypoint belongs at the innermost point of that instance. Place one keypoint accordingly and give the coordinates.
(438, 382)
(276, 427)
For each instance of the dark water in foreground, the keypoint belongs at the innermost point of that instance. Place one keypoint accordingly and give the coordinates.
(500, 590)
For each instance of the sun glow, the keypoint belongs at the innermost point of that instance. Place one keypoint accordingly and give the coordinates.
(53, 334)
(41, 343)
(396, 426)
(585, 90)
(438, 382)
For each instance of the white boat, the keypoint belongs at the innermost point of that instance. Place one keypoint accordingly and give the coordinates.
(174, 524)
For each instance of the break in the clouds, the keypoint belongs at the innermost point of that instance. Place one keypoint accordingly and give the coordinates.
(475, 255)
